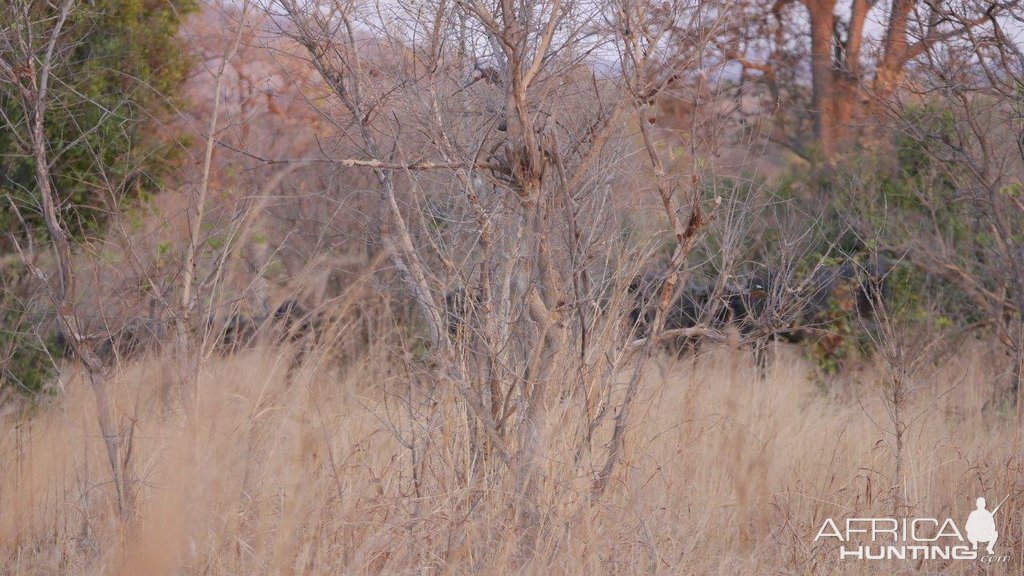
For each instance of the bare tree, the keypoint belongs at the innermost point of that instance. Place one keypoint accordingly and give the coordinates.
(502, 160)
(189, 358)
(33, 46)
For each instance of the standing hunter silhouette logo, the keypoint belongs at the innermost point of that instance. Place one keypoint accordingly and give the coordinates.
(981, 526)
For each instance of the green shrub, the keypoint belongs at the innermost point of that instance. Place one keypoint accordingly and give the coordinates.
(116, 78)
(120, 78)
(26, 359)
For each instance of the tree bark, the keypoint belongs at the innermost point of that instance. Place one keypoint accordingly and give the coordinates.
(823, 79)
(894, 50)
(836, 69)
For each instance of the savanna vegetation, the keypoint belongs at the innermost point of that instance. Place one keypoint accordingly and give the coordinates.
(491, 287)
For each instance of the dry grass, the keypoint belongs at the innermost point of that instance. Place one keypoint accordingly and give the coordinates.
(724, 474)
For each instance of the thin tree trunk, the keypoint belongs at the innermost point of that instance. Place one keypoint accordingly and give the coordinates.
(899, 497)
(188, 360)
(64, 303)
(823, 83)
(1017, 378)
(34, 94)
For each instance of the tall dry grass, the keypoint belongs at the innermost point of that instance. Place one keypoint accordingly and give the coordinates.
(353, 471)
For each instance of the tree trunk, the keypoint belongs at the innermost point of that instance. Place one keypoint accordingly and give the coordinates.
(1018, 384)
(823, 78)
(64, 302)
(894, 50)
(1017, 375)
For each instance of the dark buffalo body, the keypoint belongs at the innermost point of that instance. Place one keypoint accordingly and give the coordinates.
(769, 305)
(288, 322)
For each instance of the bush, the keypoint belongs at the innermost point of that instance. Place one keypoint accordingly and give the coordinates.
(116, 78)
(120, 78)
(26, 359)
